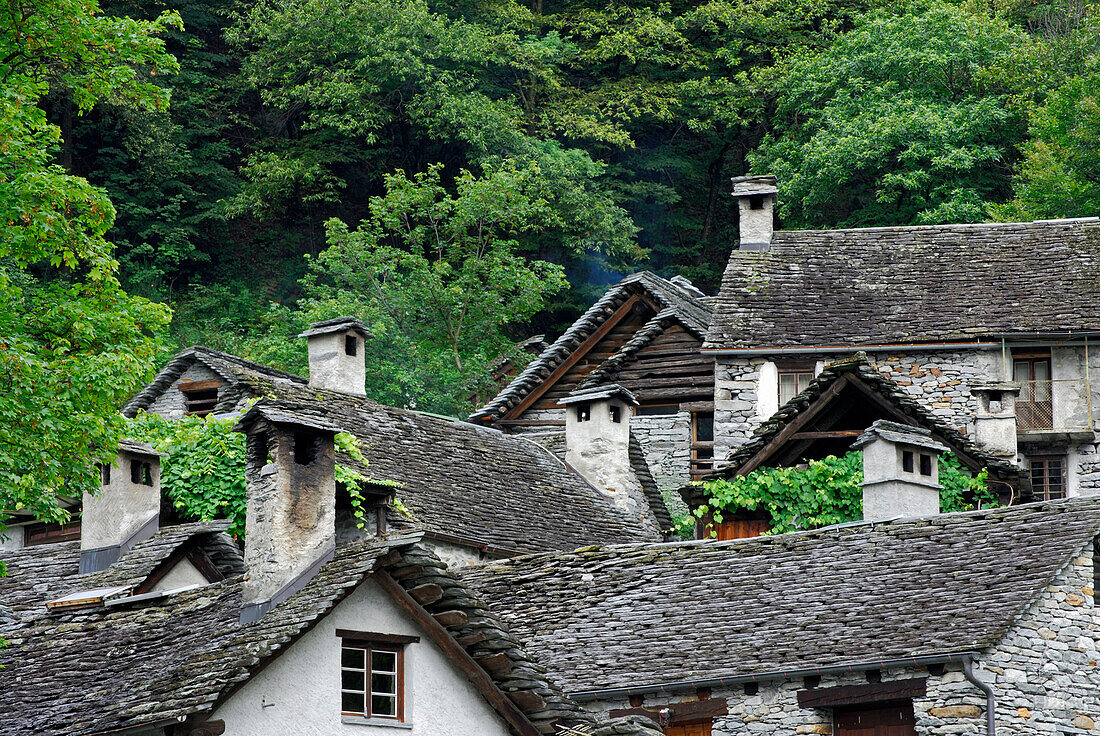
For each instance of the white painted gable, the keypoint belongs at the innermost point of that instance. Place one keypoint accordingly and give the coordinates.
(298, 694)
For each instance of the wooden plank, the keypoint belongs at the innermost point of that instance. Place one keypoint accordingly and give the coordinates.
(833, 434)
(694, 711)
(581, 350)
(872, 692)
(461, 659)
(375, 638)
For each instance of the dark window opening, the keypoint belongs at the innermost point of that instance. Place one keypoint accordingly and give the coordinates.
(584, 412)
(372, 680)
(656, 410)
(307, 446)
(105, 474)
(702, 443)
(200, 397)
(47, 533)
(925, 464)
(616, 414)
(756, 201)
(907, 461)
(141, 473)
(1048, 477)
(351, 345)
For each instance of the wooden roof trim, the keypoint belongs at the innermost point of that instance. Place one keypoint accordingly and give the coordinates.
(574, 357)
(480, 679)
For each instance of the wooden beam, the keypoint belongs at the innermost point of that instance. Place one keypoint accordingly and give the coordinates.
(875, 692)
(574, 357)
(459, 656)
(830, 435)
(794, 425)
(696, 711)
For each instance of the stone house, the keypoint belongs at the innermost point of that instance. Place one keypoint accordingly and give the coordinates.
(992, 327)
(644, 334)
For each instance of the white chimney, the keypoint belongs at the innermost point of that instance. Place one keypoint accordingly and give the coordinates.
(290, 522)
(127, 509)
(756, 200)
(900, 471)
(597, 442)
(336, 355)
(995, 420)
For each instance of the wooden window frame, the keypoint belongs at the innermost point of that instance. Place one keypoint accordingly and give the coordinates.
(370, 642)
(1045, 460)
(701, 446)
(796, 368)
(197, 400)
(43, 532)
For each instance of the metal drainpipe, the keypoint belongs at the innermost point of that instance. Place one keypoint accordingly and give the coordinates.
(990, 703)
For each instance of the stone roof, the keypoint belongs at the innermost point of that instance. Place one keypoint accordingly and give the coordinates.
(860, 367)
(637, 615)
(93, 670)
(337, 324)
(899, 434)
(458, 478)
(693, 312)
(139, 448)
(896, 285)
(595, 393)
(230, 367)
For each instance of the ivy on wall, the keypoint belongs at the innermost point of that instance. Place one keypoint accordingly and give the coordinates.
(825, 492)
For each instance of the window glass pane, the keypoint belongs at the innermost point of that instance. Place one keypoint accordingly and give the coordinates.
(1021, 370)
(1042, 370)
(351, 702)
(788, 387)
(383, 706)
(384, 661)
(804, 381)
(353, 680)
(383, 684)
(353, 657)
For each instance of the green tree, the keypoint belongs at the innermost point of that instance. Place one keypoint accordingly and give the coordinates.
(73, 343)
(904, 120)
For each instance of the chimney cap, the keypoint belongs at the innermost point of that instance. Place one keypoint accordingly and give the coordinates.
(337, 324)
(598, 393)
(298, 416)
(901, 434)
(748, 186)
(140, 448)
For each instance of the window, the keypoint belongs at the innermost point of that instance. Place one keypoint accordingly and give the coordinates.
(1034, 408)
(141, 473)
(702, 443)
(794, 377)
(372, 674)
(1048, 477)
(756, 201)
(584, 412)
(351, 345)
(616, 414)
(907, 461)
(104, 474)
(925, 464)
(47, 533)
(200, 397)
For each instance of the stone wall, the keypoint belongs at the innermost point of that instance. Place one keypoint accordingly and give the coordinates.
(171, 403)
(666, 442)
(1044, 673)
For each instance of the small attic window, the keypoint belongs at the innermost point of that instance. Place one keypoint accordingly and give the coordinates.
(307, 446)
(584, 412)
(200, 397)
(351, 345)
(616, 413)
(756, 202)
(925, 464)
(141, 473)
(907, 461)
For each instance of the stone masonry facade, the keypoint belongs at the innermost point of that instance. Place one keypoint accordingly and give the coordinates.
(172, 403)
(1045, 674)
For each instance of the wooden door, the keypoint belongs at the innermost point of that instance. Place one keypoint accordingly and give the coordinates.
(689, 729)
(893, 720)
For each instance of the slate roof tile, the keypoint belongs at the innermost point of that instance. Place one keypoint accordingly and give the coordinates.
(634, 615)
(892, 285)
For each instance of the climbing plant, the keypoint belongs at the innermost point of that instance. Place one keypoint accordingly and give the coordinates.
(825, 492)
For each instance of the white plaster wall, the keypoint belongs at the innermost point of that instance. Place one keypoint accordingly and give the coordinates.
(767, 402)
(331, 368)
(301, 688)
(122, 507)
(755, 226)
(11, 538)
(184, 574)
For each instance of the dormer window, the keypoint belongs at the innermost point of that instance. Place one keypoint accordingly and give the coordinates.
(351, 345)
(372, 676)
(200, 397)
(141, 473)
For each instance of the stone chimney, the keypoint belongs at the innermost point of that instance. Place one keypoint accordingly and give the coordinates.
(995, 420)
(900, 471)
(597, 442)
(336, 355)
(756, 200)
(290, 523)
(127, 509)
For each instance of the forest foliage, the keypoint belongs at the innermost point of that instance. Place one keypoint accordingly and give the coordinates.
(461, 175)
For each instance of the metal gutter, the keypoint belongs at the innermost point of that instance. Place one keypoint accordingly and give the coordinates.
(670, 688)
(990, 702)
(826, 349)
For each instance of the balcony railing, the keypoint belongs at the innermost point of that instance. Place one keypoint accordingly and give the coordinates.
(1058, 404)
